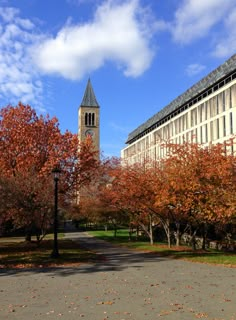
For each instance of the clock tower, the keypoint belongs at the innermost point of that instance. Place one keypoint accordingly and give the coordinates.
(89, 117)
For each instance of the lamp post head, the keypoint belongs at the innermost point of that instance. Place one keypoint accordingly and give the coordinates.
(56, 173)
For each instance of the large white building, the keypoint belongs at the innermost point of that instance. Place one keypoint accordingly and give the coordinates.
(205, 113)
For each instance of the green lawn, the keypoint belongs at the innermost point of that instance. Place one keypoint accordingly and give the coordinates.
(183, 252)
(21, 254)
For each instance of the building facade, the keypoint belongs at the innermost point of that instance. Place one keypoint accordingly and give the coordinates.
(205, 113)
(89, 117)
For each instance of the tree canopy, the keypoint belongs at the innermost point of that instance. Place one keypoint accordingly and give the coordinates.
(31, 146)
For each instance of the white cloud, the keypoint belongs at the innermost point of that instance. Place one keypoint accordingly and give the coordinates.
(195, 68)
(8, 14)
(119, 32)
(19, 81)
(226, 45)
(195, 18)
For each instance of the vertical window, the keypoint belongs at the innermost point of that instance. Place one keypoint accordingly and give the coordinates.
(211, 108)
(223, 98)
(180, 125)
(220, 103)
(211, 131)
(206, 133)
(192, 119)
(216, 104)
(231, 123)
(227, 99)
(217, 128)
(224, 126)
(201, 112)
(233, 96)
(206, 110)
(168, 131)
(171, 129)
(187, 121)
(176, 127)
(89, 119)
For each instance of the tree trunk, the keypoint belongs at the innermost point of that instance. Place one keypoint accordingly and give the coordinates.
(148, 233)
(150, 230)
(28, 236)
(204, 236)
(130, 232)
(137, 232)
(178, 234)
(193, 240)
(115, 230)
(166, 226)
(168, 238)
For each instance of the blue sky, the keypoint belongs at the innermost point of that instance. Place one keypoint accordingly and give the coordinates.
(139, 55)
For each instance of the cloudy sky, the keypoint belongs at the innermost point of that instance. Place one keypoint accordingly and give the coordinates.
(139, 55)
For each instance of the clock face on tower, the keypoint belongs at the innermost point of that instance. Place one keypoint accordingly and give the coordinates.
(90, 133)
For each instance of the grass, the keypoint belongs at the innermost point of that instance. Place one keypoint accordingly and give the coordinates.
(182, 252)
(16, 253)
(21, 254)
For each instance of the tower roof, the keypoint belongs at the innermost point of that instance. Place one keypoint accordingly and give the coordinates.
(89, 99)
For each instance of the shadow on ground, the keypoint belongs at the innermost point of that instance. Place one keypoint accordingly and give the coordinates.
(107, 258)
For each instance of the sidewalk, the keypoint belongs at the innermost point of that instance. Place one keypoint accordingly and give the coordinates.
(122, 285)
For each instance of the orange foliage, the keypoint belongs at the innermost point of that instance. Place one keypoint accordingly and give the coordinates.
(31, 146)
(201, 182)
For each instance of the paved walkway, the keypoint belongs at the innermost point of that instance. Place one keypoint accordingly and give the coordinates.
(125, 285)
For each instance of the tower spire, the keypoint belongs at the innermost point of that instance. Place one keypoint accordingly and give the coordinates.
(89, 117)
(89, 99)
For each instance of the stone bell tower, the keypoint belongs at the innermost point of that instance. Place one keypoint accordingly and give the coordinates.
(89, 117)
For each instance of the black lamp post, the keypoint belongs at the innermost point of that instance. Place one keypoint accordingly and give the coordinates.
(56, 172)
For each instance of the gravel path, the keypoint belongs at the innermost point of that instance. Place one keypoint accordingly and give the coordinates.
(125, 285)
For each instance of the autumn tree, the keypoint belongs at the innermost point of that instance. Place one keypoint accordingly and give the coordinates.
(201, 186)
(94, 203)
(183, 189)
(31, 146)
(130, 193)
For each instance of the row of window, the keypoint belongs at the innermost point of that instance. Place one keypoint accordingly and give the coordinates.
(216, 105)
(90, 119)
(160, 152)
(216, 129)
(212, 111)
(205, 111)
(203, 95)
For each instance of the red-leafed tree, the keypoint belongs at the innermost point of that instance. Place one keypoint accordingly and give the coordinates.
(201, 185)
(31, 146)
(95, 199)
(130, 193)
(185, 188)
